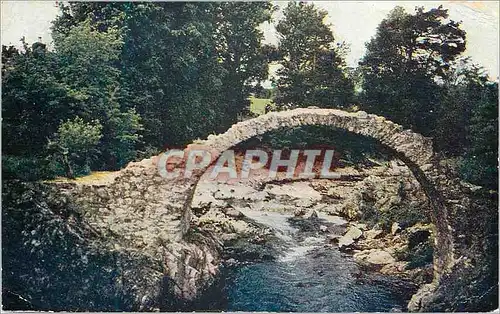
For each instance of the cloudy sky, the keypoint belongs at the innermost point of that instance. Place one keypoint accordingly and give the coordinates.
(352, 21)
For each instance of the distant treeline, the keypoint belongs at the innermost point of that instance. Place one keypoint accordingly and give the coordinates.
(126, 79)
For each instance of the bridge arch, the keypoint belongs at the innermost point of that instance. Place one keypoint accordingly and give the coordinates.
(413, 149)
(150, 214)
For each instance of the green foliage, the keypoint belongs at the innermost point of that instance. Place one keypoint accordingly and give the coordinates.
(418, 256)
(351, 149)
(80, 78)
(89, 68)
(162, 74)
(75, 143)
(462, 91)
(119, 143)
(34, 100)
(481, 160)
(153, 74)
(314, 70)
(78, 137)
(407, 54)
(405, 215)
(413, 74)
(29, 168)
(239, 49)
(187, 67)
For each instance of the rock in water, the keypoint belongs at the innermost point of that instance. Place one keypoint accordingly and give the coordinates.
(299, 212)
(347, 240)
(353, 233)
(313, 214)
(345, 243)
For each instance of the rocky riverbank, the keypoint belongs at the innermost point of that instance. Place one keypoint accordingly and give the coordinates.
(84, 246)
(60, 255)
(380, 218)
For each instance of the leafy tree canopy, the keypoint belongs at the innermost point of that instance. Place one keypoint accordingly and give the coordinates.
(313, 71)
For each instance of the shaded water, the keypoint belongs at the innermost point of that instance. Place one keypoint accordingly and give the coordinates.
(318, 281)
(309, 277)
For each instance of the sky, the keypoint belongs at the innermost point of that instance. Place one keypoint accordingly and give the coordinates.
(352, 21)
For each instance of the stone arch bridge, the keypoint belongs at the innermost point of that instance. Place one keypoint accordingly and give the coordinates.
(152, 214)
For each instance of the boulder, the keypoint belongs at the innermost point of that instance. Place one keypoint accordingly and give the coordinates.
(350, 209)
(394, 268)
(226, 237)
(348, 239)
(333, 219)
(373, 234)
(345, 243)
(379, 257)
(361, 226)
(395, 228)
(323, 228)
(234, 213)
(299, 212)
(295, 190)
(353, 233)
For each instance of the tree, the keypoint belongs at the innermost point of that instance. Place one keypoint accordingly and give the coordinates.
(33, 100)
(188, 66)
(332, 86)
(313, 70)
(481, 160)
(408, 54)
(88, 67)
(461, 92)
(79, 78)
(239, 48)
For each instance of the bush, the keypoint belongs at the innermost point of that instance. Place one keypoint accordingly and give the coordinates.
(74, 145)
(29, 168)
(405, 215)
(475, 170)
(420, 256)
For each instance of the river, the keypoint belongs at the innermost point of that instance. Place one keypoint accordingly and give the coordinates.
(308, 277)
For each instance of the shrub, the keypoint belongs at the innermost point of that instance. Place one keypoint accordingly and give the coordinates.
(74, 145)
(29, 168)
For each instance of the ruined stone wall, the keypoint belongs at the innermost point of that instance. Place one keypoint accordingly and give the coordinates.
(138, 210)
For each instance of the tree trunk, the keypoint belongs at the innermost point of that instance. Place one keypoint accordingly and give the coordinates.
(69, 170)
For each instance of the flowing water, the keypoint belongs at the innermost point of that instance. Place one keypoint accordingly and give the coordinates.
(309, 277)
